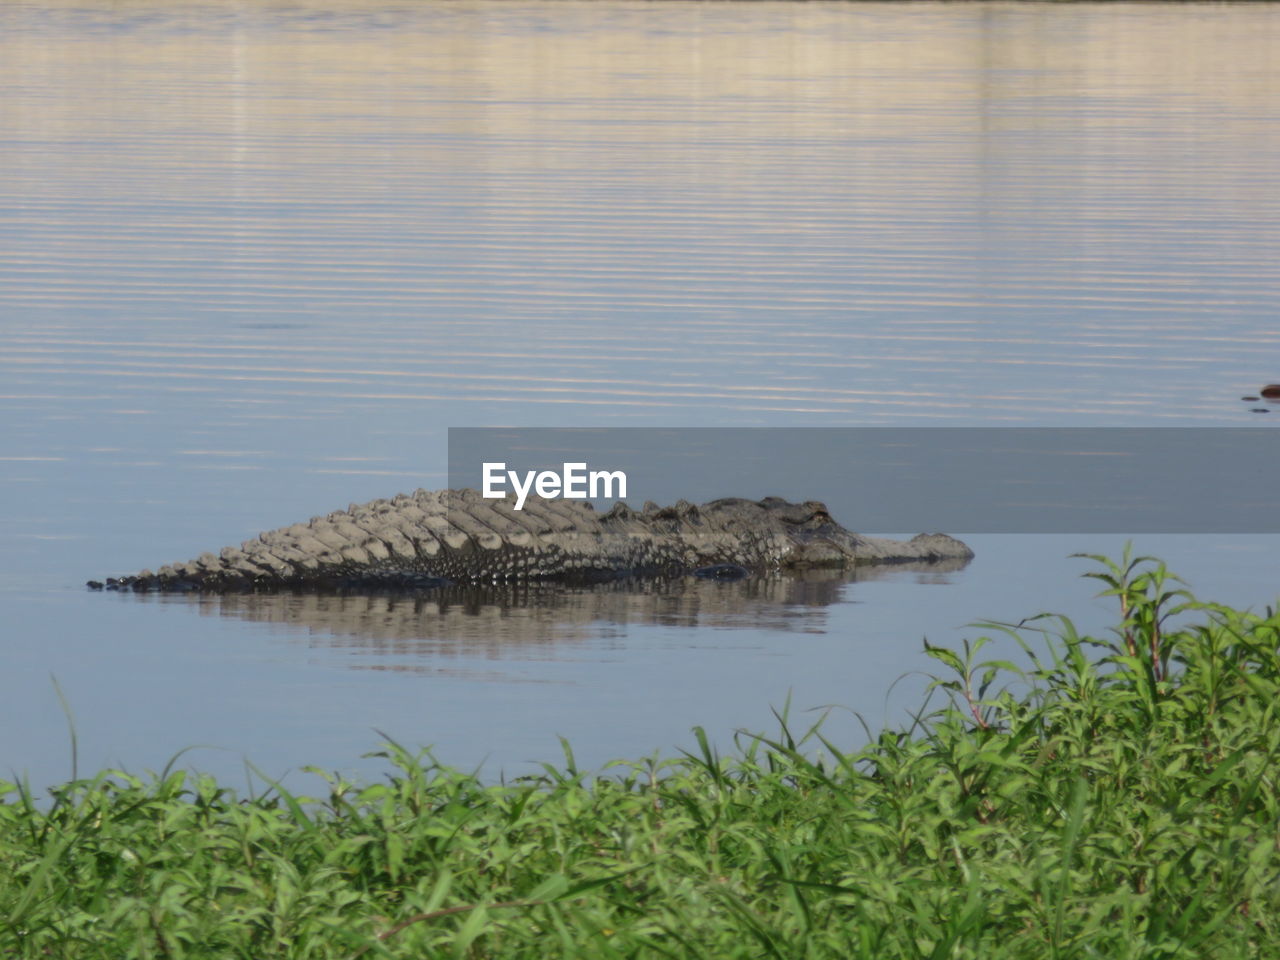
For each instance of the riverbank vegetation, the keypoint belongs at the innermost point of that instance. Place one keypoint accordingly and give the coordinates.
(1110, 796)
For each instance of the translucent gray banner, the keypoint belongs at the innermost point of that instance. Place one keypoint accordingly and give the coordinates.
(891, 480)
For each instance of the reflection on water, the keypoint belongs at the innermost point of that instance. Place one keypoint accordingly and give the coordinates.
(218, 217)
(411, 632)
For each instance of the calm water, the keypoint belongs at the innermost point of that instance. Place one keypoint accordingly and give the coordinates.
(255, 258)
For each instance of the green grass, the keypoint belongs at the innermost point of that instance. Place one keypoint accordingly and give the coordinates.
(1117, 798)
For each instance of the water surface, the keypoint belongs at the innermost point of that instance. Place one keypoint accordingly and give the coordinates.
(255, 258)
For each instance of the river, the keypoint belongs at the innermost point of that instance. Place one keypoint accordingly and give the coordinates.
(257, 257)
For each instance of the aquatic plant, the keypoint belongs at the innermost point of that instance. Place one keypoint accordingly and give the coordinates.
(1114, 797)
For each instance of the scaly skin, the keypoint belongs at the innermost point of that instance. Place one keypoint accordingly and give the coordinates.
(428, 539)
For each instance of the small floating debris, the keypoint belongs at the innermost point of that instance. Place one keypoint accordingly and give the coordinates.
(1250, 399)
(1260, 410)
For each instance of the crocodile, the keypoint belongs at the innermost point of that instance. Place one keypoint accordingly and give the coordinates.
(437, 538)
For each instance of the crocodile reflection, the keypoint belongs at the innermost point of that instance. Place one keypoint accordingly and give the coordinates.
(528, 619)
